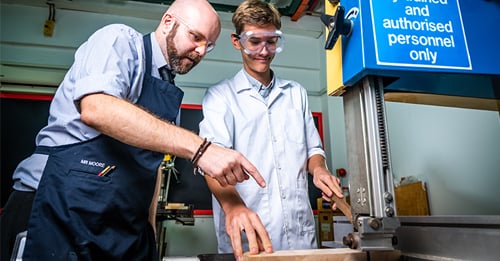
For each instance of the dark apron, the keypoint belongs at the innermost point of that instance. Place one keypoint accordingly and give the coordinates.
(78, 215)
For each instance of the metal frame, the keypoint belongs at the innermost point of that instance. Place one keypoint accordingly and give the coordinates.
(450, 237)
(376, 225)
(370, 184)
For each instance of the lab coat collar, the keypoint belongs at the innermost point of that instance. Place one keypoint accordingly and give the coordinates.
(244, 84)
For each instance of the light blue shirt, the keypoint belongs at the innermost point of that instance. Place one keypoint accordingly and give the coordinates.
(111, 61)
(261, 88)
(278, 137)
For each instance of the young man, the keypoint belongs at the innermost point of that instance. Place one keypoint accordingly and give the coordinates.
(109, 127)
(268, 120)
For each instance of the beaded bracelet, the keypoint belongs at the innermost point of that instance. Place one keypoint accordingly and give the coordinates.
(203, 147)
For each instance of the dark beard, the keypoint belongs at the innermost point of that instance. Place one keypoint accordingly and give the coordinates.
(174, 58)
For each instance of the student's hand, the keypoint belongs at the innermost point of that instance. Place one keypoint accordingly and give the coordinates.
(243, 220)
(228, 166)
(328, 184)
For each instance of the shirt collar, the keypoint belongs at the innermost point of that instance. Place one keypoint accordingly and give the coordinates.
(158, 58)
(256, 84)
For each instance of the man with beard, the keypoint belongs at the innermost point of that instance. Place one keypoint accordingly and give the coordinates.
(94, 169)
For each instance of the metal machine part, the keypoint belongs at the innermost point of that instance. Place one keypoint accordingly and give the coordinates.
(337, 25)
(169, 211)
(375, 223)
(370, 184)
(168, 170)
(449, 237)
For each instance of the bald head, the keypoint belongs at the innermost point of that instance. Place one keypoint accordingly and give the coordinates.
(187, 6)
(199, 15)
(187, 31)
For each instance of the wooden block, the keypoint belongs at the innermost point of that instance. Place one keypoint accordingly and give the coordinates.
(332, 254)
(343, 206)
(411, 200)
(176, 206)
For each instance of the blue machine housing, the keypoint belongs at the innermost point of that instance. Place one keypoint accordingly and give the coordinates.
(448, 47)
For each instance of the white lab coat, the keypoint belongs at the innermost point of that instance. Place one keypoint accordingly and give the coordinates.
(278, 138)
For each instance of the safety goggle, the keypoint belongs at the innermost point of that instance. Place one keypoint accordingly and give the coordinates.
(254, 42)
(197, 38)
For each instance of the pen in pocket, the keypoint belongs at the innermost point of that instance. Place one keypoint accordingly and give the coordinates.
(106, 171)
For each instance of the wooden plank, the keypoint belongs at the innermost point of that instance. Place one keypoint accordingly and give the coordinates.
(332, 254)
(176, 206)
(343, 206)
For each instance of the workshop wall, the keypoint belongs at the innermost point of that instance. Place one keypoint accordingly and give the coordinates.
(455, 151)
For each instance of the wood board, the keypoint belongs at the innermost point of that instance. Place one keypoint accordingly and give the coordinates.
(332, 254)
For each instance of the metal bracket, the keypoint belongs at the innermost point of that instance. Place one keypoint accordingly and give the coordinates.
(337, 26)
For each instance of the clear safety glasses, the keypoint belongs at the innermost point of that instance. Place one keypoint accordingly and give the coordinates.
(254, 42)
(197, 38)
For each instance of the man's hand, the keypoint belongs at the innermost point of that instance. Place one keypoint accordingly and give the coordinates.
(228, 166)
(241, 219)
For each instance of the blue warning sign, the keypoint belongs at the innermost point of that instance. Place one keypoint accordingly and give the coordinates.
(420, 33)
